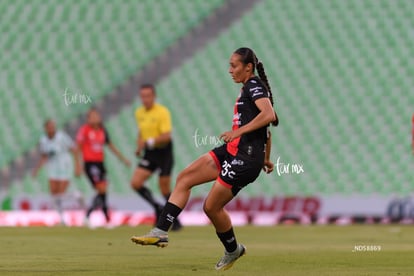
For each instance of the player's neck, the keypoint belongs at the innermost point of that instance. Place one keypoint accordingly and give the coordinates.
(148, 108)
(95, 126)
(51, 135)
(248, 78)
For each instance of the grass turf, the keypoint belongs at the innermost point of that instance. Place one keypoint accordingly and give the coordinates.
(280, 250)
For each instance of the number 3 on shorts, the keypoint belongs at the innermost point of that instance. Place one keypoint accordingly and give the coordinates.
(226, 170)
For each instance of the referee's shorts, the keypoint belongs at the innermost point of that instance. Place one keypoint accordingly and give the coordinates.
(161, 159)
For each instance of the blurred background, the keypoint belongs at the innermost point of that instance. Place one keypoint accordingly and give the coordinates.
(341, 73)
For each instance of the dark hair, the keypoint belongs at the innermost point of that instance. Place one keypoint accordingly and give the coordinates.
(149, 86)
(93, 109)
(248, 56)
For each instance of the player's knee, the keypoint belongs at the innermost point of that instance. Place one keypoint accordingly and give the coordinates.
(181, 176)
(101, 187)
(182, 179)
(136, 183)
(209, 209)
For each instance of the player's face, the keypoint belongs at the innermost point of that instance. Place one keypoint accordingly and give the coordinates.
(239, 72)
(50, 128)
(147, 96)
(94, 118)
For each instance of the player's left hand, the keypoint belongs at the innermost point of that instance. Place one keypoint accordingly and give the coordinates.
(268, 166)
(229, 136)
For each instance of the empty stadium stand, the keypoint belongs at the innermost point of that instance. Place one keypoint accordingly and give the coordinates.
(341, 73)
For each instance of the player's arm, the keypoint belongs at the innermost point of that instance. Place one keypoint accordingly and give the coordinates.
(42, 160)
(265, 117)
(164, 138)
(114, 149)
(268, 165)
(80, 139)
(118, 154)
(152, 142)
(76, 159)
(140, 144)
(412, 142)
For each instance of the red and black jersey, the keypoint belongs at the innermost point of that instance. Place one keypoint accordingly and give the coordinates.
(92, 142)
(245, 110)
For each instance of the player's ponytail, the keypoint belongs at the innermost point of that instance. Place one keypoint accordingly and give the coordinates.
(262, 75)
(248, 56)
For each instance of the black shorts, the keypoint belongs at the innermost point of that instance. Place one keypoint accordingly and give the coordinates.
(158, 159)
(236, 171)
(95, 171)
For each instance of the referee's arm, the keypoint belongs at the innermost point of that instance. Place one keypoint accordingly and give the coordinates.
(164, 138)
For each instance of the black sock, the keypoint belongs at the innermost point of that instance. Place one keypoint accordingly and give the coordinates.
(168, 215)
(229, 240)
(97, 202)
(147, 195)
(104, 206)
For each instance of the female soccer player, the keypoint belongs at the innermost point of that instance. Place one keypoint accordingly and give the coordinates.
(91, 139)
(55, 148)
(233, 165)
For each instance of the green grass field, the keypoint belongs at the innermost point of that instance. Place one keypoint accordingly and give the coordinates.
(280, 250)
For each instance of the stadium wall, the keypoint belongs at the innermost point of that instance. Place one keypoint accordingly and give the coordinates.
(27, 210)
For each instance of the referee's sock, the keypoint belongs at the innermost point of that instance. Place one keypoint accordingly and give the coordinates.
(228, 239)
(147, 195)
(168, 215)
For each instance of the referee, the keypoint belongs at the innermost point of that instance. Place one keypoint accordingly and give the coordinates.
(154, 145)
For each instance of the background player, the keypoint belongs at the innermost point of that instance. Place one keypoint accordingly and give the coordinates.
(154, 142)
(56, 148)
(232, 165)
(91, 139)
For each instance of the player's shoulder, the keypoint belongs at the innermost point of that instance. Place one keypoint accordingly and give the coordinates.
(254, 84)
(83, 128)
(254, 87)
(61, 134)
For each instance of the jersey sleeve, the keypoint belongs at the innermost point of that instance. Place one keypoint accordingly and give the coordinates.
(255, 90)
(165, 121)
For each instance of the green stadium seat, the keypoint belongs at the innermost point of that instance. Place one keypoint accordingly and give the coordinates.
(82, 45)
(340, 72)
